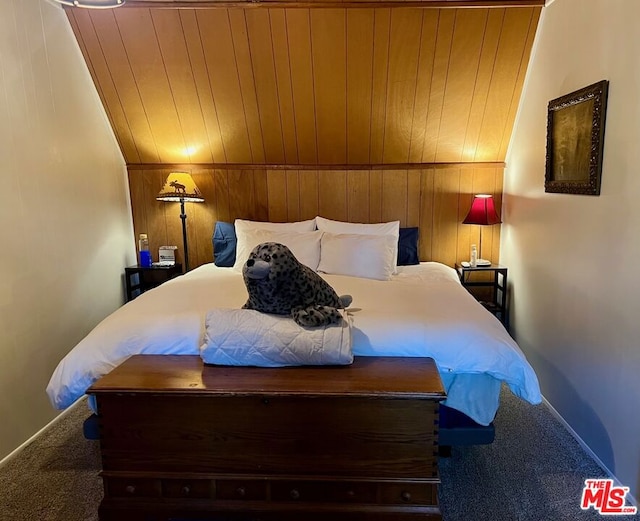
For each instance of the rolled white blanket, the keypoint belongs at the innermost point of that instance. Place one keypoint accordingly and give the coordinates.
(249, 337)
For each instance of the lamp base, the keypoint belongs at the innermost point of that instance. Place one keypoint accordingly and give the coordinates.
(483, 262)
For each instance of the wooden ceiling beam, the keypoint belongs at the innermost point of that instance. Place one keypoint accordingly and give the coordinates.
(254, 166)
(307, 4)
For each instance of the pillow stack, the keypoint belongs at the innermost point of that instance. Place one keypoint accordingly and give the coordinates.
(370, 251)
(359, 250)
(301, 238)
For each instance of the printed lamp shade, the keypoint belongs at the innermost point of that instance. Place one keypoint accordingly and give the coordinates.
(179, 187)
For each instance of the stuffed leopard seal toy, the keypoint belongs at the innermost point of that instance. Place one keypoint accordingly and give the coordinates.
(278, 283)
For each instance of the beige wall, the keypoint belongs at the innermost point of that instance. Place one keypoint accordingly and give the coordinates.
(66, 225)
(574, 259)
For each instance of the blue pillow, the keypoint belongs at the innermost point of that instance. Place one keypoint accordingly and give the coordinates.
(224, 244)
(408, 247)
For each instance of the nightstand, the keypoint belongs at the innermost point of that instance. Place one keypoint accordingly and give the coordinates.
(139, 279)
(488, 284)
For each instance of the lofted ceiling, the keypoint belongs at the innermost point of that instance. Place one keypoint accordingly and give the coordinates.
(305, 85)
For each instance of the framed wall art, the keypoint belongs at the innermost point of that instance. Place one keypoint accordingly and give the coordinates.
(575, 140)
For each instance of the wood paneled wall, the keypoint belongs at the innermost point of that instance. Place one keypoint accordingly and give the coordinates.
(436, 200)
(311, 86)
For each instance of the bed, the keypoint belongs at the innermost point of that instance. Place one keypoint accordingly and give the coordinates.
(414, 310)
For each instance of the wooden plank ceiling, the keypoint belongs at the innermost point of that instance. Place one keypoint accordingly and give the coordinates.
(308, 85)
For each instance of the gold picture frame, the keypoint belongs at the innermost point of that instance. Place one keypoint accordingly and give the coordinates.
(575, 140)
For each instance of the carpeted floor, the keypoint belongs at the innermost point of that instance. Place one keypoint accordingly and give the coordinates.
(534, 471)
(55, 477)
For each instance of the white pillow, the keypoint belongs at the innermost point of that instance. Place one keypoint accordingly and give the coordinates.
(304, 245)
(300, 226)
(389, 228)
(357, 255)
(327, 225)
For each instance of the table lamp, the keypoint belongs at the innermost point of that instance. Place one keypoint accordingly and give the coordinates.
(482, 213)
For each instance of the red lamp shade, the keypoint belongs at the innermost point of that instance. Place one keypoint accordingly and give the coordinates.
(482, 211)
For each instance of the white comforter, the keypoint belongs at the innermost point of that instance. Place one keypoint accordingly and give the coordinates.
(422, 311)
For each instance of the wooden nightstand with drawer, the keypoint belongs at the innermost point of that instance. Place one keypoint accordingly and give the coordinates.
(180, 440)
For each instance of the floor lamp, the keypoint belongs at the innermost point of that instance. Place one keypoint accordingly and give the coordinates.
(483, 213)
(181, 188)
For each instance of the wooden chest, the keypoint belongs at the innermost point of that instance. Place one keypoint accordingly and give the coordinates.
(183, 441)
